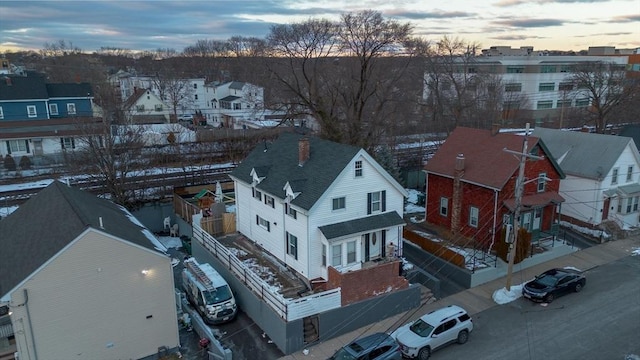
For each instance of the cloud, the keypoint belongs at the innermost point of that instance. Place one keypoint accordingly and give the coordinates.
(506, 3)
(529, 23)
(627, 18)
(435, 14)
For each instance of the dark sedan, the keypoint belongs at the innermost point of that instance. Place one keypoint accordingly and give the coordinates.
(553, 283)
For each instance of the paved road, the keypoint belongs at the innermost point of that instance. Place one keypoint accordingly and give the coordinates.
(602, 322)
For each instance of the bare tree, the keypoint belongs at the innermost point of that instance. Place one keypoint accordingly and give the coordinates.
(605, 88)
(59, 48)
(344, 74)
(206, 48)
(240, 46)
(175, 91)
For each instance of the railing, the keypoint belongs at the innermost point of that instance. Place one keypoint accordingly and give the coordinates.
(184, 209)
(287, 309)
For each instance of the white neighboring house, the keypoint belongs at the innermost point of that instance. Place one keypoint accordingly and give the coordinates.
(84, 279)
(145, 107)
(156, 134)
(602, 176)
(315, 204)
(231, 103)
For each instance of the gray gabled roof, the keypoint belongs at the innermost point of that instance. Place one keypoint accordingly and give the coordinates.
(366, 224)
(278, 163)
(230, 98)
(236, 85)
(52, 219)
(72, 90)
(583, 154)
(22, 87)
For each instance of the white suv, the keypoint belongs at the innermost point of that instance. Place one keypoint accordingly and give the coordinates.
(432, 331)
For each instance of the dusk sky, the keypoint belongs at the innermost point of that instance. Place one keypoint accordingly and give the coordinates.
(153, 24)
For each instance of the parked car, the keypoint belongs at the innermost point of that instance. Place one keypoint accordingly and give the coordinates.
(378, 346)
(553, 283)
(434, 330)
(185, 117)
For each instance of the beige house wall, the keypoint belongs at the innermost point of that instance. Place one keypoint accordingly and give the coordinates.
(92, 301)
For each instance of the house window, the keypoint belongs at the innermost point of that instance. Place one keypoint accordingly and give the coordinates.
(339, 203)
(635, 203)
(376, 201)
(358, 168)
(582, 102)
(292, 245)
(513, 87)
(53, 109)
(324, 255)
(17, 146)
(336, 255)
(290, 211)
(444, 206)
(71, 109)
(565, 68)
(351, 252)
(268, 200)
(158, 107)
(614, 176)
(545, 104)
(1, 113)
(263, 223)
(564, 103)
(629, 173)
(515, 69)
(195, 97)
(473, 216)
(237, 106)
(546, 69)
(31, 111)
(547, 87)
(195, 86)
(629, 205)
(542, 181)
(526, 220)
(257, 194)
(565, 86)
(67, 143)
(140, 107)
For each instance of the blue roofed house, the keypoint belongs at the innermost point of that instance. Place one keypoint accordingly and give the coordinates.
(602, 184)
(83, 279)
(39, 119)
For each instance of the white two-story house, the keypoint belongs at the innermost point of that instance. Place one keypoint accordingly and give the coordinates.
(602, 176)
(320, 207)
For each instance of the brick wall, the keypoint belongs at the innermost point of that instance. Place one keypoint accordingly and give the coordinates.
(362, 284)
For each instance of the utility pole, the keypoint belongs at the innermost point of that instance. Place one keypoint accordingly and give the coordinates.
(518, 193)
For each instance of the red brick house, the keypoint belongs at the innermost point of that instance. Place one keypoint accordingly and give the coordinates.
(471, 181)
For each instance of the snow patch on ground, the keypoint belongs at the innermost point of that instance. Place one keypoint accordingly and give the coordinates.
(635, 252)
(584, 230)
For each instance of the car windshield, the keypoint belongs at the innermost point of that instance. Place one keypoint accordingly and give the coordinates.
(220, 294)
(421, 328)
(342, 354)
(547, 280)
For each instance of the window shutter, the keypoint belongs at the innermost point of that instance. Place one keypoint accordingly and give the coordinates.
(8, 148)
(383, 242)
(73, 145)
(368, 203)
(257, 220)
(62, 143)
(268, 226)
(384, 200)
(26, 143)
(253, 192)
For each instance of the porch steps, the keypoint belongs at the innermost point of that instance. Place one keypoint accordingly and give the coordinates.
(426, 295)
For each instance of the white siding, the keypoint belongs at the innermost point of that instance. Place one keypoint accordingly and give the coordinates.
(93, 302)
(580, 204)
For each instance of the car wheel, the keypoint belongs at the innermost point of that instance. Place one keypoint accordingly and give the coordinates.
(424, 353)
(578, 287)
(549, 298)
(463, 336)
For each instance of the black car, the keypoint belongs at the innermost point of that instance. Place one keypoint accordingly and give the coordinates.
(553, 283)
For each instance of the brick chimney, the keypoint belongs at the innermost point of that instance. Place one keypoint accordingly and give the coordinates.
(456, 206)
(8, 80)
(495, 129)
(303, 150)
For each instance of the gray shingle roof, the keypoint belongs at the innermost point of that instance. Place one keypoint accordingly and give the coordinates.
(22, 87)
(236, 85)
(369, 223)
(278, 163)
(79, 90)
(49, 221)
(583, 154)
(230, 98)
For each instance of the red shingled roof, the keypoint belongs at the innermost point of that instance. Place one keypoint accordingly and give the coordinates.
(486, 163)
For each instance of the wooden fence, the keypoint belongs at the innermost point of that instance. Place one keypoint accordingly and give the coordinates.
(287, 309)
(435, 248)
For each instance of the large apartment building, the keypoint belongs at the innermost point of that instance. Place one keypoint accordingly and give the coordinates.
(532, 86)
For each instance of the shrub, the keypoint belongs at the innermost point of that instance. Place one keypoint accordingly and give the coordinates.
(25, 163)
(9, 163)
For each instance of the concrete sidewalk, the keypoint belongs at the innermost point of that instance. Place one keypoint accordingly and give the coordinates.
(480, 298)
